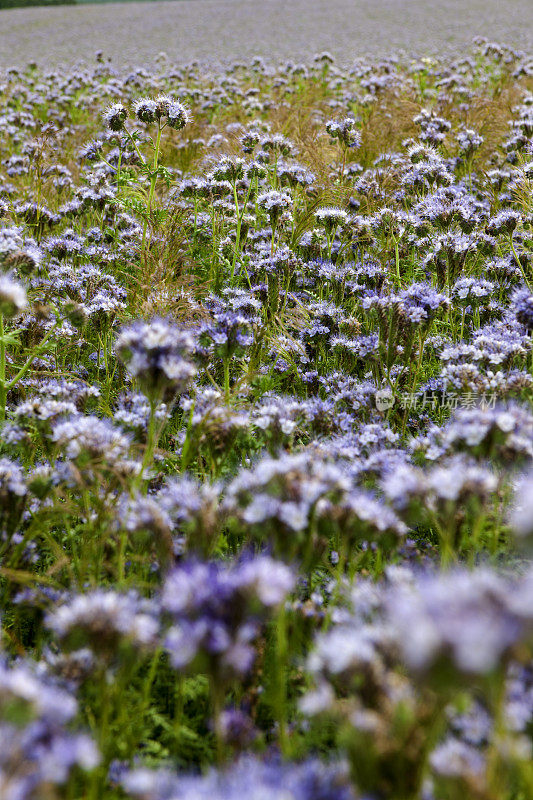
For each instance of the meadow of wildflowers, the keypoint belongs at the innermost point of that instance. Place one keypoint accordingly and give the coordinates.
(266, 469)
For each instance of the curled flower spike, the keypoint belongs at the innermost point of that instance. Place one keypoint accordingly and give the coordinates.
(115, 116)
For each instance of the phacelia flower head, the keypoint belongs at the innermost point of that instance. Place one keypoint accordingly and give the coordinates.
(145, 110)
(178, 115)
(345, 130)
(103, 620)
(522, 300)
(115, 116)
(158, 355)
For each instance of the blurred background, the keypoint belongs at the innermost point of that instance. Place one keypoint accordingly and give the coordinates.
(132, 33)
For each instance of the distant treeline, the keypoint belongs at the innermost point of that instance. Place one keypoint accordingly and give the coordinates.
(26, 3)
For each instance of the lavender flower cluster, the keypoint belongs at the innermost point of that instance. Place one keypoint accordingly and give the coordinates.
(233, 556)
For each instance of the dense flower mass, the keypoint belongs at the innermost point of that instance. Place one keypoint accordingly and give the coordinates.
(266, 430)
(216, 613)
(309, 780)
(39, 752)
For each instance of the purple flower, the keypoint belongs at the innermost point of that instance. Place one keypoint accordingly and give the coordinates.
(158, 355)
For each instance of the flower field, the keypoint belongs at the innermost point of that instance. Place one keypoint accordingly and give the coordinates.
(132, 33)
(266, 469)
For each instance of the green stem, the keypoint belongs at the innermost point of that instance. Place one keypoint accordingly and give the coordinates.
(123, 542)
(148, 683)
(3, 389)
(343, 165)
(119, 165)
(280, 696)
(151, 443)
(178, 708)
(330, 242)
(494, 757)
(238, 232)
(217, 695)
(397, 260)
(134, 143)
(520, 267)
(187, 443)
(153, 181)
(240, 215)
(286, 294)
(273, 240)
(102, 732)
(226, 380)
